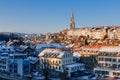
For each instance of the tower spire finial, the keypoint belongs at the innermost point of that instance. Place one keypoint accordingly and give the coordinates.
(72, 15)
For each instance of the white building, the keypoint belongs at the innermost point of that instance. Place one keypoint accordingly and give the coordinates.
(109, 61)
(18, 64)
(14, 64)
(60, 60)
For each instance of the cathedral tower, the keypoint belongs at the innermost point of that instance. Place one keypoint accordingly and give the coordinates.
(72, 23)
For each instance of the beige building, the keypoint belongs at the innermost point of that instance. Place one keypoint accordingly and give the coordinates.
(111, 34)
(79, 32)
(98, 33)
(90, 50)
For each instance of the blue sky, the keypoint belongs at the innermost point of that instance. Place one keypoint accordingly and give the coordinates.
(42, 16)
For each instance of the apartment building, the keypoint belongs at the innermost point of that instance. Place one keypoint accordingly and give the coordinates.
(18, 64)
(14, 63)
(109, 61)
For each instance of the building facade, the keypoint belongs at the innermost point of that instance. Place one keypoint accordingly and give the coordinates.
(59, 60)
(109, 61)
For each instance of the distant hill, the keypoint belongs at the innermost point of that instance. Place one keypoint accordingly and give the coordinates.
(7, 36)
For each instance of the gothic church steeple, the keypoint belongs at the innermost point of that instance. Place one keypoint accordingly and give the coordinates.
(72, 23)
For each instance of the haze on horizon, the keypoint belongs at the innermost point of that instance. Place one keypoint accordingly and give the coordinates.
(42, 16)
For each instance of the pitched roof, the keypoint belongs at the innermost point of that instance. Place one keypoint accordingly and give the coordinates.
(52, 53)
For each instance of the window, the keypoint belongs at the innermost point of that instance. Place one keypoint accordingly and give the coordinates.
(59, 67)
(78, 67)
(10, 70)
(15, 66)
(53, 67)
(114, 65)
(114, 73)
(106, 59)
(119, 66)
(68, 60)
(68, 68)
(102, 59)
(84, 51)
(119, 60)
(53, 61)
(110, 59)
(66, 55)
(15, 71)
(75, 68)
(59, 62)
(10, 65)
(114, 60)
(88, 51)
(99, 59)
(56, 61)
(118, 74)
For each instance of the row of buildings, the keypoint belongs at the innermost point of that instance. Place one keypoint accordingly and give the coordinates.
(22, 61)
(102, 32)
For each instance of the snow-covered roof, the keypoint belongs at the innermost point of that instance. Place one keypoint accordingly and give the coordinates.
(50, 45)
(110, 49)
(21, 48)
(53, 53)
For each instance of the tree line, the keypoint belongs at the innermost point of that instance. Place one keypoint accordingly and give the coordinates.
(11, 36)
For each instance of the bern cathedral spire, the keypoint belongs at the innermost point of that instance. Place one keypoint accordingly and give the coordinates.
(72, 23)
